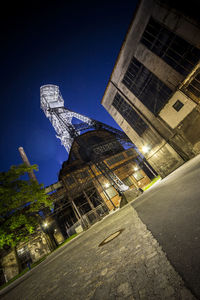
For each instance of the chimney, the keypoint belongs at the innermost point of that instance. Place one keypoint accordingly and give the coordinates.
(27, 163)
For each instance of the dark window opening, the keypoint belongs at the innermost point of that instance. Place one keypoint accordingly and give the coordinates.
(24, 256)
(147, 87)
(115, 159)
(127, 112)
(174, 50)
(178, 105)
(83, 174)
(130, 152)
(194, 86)
(69, 180)
(128, 181)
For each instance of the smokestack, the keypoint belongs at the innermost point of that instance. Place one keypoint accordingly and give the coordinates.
(27, 163)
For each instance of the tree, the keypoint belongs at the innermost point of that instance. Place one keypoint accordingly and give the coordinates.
(20, 202)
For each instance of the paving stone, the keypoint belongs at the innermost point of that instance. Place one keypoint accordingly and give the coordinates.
(186, 295)
(169, 291)
(124, 289)
(103, 292)
(132, 266)
(125, 298)
(104, 271)
(142, 293)
(155, 253)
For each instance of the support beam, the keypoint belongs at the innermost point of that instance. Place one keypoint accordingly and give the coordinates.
(79, 214)
(91, 204)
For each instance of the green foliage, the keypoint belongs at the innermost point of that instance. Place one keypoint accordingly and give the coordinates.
(17, 219)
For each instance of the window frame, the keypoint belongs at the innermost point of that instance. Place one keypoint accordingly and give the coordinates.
(175, 51)
(146, 86)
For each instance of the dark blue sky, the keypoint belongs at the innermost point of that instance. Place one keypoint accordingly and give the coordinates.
(73, 44)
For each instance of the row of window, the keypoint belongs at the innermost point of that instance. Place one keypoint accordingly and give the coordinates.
(70, 180)
(194, 86)
(129, 114)
(137, 175)
(134, 119)
(174, 50)
(111, 192)
(147, 87)
(115, 159)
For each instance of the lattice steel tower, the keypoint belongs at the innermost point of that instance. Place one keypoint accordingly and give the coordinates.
(52, 104)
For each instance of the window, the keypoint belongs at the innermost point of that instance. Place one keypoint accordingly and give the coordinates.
(115, 159)
(174, 50)
(24, 256)
(138, 175)
(110, 192)
(69, 180)
(147, 87)
(130, 152)
(194, 86)
(95, 169)
(83, 174)
(128, 181)
(178, 105)
(129, 114)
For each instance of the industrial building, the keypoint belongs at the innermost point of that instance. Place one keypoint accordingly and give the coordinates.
(86, 194)
(154, 90)
(28, 252)
(81, 197)
(103, 172)
(100, 169)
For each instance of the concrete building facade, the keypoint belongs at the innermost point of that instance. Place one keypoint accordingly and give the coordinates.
(154, 89)
(28, 252)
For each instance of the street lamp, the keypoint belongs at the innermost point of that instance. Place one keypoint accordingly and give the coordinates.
(45, 224)
(145, 149)
(47, 229)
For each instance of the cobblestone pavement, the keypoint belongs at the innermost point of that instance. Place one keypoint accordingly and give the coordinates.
(131, 266)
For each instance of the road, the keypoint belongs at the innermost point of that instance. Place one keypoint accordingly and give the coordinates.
(133, 265)
(171, 211)
(130, 266)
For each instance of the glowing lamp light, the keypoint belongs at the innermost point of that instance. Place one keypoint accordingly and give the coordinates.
(145, 149)
(106, 185)
(45, 224)
(136, 168)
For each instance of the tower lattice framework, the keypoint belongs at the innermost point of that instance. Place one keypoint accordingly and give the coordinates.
(52, 104)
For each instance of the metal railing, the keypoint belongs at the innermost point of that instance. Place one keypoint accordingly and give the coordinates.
(89, 218)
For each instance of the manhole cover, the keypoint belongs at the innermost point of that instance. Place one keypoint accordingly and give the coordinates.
(111, 237)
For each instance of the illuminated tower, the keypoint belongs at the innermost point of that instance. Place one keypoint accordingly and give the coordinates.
(61, 118)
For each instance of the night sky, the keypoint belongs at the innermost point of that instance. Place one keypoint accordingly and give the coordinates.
(73, 44)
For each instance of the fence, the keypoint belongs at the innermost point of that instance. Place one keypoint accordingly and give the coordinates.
(89, 219)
